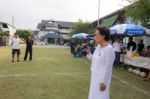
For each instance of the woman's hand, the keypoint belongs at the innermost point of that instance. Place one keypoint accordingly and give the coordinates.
(102, 87)
(88, 50)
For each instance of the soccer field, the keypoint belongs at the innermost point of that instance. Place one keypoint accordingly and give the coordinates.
(55, 74)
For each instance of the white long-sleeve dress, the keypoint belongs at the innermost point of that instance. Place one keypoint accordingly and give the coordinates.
(101, 71)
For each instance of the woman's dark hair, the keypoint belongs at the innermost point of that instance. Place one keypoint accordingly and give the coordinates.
(16, 34)
(104, 32)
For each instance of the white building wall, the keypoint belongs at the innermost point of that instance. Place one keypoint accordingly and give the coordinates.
(67, 31)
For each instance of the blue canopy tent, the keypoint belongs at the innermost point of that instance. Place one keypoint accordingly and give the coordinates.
(83, 36)
(80, 36)
(53, 38)
(127, 30)
(90, 36)
(52, 35)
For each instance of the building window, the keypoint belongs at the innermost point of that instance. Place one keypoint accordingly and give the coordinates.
(5, 26)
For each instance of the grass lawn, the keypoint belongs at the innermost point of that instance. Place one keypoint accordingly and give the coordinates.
(55, 74)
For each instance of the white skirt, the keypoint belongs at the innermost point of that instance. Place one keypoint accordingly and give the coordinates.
(95, 92)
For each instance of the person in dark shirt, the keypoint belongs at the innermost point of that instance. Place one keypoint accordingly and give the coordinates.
(140, 47)
(131, 44)
(72, 47)
(29, 44)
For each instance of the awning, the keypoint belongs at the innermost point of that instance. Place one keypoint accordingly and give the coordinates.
(108, 22)
(53, 35)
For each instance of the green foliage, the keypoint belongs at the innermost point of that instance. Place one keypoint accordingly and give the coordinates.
(25, 33)
(77, 41)
(140, 10)
(81, 27)
(2, 33)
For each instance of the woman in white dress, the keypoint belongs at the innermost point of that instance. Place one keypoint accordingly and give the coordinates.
(101, 67)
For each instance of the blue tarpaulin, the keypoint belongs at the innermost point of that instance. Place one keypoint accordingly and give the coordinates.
(53, 35)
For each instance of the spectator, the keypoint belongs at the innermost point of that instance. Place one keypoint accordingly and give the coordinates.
(117, 49)
(78, 51)
(29, 44)
(15, 47)
(131, 44)
(140, 47)
(72, 47)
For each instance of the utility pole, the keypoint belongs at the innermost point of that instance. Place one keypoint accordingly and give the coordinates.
(98, 24)
(13, 25)
(11, 30)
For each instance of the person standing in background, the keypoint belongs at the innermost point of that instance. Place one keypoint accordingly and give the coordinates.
(15, 47)
(72, 47)
(140, 47)
(131, 44)
(117, 49)
(29, 44)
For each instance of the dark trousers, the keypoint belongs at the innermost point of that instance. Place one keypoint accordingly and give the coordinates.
(28, 50)
(72, 49)
(117, 59)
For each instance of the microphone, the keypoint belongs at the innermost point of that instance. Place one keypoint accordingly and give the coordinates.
(88, 44)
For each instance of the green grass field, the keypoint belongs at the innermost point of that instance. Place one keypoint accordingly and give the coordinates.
(55, 74)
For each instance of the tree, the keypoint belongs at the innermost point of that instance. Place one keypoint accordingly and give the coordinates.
(81, 27)
(140, 11)
(24, 34)
(2, 33)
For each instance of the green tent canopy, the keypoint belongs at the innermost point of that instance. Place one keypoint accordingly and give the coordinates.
(108, 22)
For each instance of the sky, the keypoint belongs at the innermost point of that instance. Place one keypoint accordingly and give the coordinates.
(28, 13)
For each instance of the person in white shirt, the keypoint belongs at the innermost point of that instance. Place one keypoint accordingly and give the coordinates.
(117, 49)
(101, 67)
(15, 47)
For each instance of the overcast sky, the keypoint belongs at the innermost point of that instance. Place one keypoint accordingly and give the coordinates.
(28, 13)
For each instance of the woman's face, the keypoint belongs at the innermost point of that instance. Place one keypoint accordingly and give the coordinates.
(98, 37)
(15, 36)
